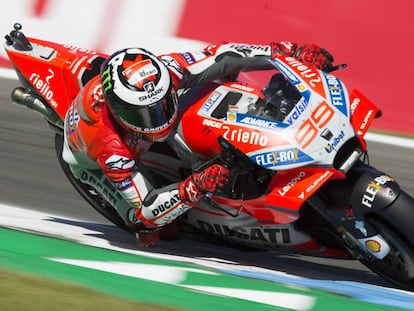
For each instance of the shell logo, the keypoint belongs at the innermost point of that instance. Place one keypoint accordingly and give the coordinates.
(301, 87)
(231, 117)
(373, 246)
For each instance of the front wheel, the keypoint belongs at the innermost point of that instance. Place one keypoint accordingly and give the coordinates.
(398, 265)
(94, 199)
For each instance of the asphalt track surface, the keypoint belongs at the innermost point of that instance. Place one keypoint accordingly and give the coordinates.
(30, 177)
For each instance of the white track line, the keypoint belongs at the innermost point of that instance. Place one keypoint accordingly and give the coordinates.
(390, 140)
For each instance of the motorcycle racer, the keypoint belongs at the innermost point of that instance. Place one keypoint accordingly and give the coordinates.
(132, 104)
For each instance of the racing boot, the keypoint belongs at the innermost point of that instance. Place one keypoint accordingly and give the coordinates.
(148, 238)
(171, 232)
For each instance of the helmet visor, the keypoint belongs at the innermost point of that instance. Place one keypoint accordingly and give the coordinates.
(148, 119)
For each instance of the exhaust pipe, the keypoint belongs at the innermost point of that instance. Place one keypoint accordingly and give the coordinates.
(24, 97)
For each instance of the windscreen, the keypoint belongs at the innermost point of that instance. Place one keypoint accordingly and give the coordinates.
(279, 95)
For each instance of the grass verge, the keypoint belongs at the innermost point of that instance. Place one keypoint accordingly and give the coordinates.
(26, 292)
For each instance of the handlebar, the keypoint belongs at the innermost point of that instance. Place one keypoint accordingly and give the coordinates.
(231, 158)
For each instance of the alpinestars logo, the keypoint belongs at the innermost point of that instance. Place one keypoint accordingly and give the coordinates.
(116, 162)
(192, 192)
(248, 50)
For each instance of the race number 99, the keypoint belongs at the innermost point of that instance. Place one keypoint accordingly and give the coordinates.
(310, 128)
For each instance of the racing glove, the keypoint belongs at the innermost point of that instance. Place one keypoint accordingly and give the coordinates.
(208, 180)
(309, 54)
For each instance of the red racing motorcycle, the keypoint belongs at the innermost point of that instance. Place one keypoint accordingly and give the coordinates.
(293, 138)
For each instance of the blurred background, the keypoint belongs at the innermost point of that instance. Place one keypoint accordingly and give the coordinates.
(372, 37)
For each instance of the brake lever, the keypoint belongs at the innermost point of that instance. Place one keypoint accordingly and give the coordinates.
(333, 68)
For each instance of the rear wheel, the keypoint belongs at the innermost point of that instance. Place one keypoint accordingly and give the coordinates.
(398, 266)
(87, 192)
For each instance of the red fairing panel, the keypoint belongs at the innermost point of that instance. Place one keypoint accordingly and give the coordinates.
(54, 70)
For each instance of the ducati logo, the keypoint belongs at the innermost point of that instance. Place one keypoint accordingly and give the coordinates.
(139, 72)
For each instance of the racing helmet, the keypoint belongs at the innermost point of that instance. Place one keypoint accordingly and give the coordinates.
(139, 92)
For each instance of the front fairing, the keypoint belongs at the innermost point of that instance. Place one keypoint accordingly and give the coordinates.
(310, 132)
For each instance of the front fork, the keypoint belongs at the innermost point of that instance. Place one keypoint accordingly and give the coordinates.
(347, 205)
